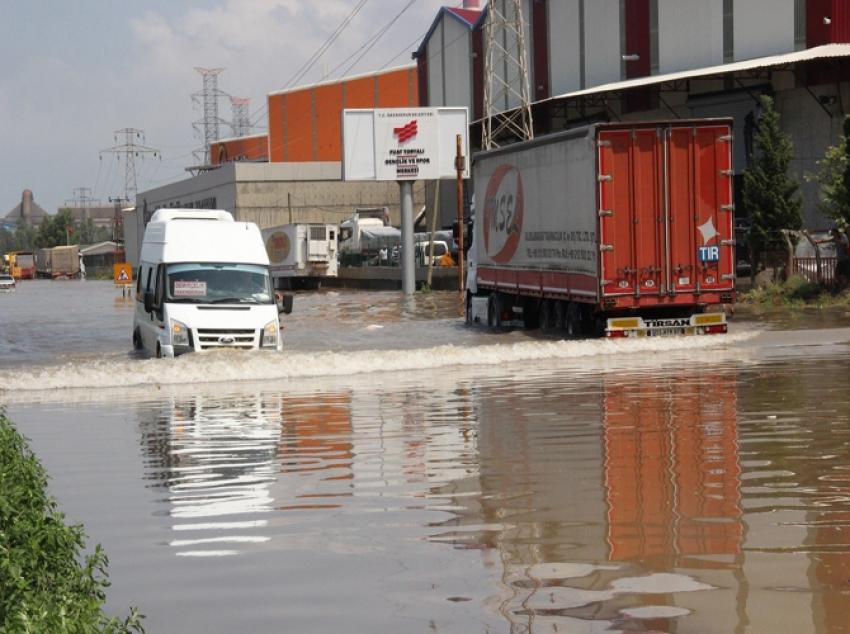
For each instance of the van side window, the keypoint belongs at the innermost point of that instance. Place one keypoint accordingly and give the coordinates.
(159, 292)
(138, 281)
(148, 282)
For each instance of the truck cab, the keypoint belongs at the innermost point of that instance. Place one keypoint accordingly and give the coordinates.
(203, 283)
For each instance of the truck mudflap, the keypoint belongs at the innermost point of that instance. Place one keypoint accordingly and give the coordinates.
(702, 324)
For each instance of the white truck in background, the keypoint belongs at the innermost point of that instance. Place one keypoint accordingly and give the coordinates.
(363, 236)
(301, 255)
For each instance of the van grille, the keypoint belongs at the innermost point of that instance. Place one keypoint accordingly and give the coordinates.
(212, 338)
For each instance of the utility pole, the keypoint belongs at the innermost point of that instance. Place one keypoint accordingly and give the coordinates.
(83, 201)
(241, 122)
(132, 147)
(208, 126)
(507, 105)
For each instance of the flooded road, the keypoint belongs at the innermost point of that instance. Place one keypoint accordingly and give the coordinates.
(394, 470)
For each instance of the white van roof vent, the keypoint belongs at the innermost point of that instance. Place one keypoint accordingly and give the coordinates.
(162, 215)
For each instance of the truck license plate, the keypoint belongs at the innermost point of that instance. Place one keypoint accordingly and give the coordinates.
(662, 332)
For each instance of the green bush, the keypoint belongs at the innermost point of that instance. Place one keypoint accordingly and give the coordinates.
(44, 586)
(795, 291)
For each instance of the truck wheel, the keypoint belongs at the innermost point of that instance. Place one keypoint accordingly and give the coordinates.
(560, 314)
(573, 320)
(530, 316)
(545, 317)
(494, 316)
(137, 340)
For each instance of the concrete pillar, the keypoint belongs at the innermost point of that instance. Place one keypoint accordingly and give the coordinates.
(408, 265)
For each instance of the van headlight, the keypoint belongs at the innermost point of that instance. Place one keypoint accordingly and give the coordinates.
(270, 335)
(179, 333)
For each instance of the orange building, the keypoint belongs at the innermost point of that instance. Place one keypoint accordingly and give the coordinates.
(244, 148)
(304, 123)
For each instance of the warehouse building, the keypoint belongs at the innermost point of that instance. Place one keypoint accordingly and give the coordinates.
(610, 60)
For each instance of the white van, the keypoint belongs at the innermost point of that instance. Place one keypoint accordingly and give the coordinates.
(203, 283)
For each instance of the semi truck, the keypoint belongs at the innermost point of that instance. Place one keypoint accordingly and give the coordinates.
(301, 255)
(614, 229)
(58, 262)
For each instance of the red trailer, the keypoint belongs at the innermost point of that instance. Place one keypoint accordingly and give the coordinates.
(626, 229)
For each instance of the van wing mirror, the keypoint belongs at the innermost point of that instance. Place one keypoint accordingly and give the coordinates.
(284, 304)
(148, 301)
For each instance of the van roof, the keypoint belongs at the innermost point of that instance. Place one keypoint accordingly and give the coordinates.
(176, 213)
(182, 239)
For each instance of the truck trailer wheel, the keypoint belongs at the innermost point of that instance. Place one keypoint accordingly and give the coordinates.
(560, 314)
(494, 316)
(573, 320)
(545, 316)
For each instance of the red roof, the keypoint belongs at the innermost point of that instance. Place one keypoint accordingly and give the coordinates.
(467, 15)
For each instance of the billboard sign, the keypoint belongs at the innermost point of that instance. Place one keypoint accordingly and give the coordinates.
(400, 144)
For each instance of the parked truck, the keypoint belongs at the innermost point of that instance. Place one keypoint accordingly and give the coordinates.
(58, 262)
(622, 229)
(21, 265)
(301, 255)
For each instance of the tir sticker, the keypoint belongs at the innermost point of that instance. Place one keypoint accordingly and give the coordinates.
(709, 254)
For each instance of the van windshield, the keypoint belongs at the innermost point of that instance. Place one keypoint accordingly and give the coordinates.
(210, 283)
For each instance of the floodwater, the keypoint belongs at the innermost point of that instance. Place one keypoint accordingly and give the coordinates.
(396, 471)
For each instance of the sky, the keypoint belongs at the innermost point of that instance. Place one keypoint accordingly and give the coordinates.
(72, 72)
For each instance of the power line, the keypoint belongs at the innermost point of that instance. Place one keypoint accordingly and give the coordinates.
(369, 43)
(307, 65)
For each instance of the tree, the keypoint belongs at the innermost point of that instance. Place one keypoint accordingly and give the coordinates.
(24, 237)
(770, 195)
(833, 176)
(56, 230)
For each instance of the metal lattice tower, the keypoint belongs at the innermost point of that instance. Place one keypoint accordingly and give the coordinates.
(131, 150)
(82, 199)
(507, 105)
(241, 121)
(208, 127)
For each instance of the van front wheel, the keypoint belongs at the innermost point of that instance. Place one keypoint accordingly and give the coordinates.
(137, 340)
(158, 351)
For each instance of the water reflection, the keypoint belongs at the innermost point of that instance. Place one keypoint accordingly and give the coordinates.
(682, 501)
(216, 460)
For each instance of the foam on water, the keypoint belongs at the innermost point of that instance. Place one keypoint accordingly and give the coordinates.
(228, 367)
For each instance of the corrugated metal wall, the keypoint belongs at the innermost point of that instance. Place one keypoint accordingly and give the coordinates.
(304, 124)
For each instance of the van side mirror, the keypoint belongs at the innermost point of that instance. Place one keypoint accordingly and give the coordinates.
(284, 304)
(148, 301)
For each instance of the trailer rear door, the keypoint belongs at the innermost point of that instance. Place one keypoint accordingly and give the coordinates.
(666, 222)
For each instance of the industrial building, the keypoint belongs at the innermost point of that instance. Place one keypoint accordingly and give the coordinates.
(611, 60)
(26, 212)
(587, 60)
(293, 173)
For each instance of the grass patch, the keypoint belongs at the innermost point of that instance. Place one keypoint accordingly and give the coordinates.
(796, 291)
(46, 583)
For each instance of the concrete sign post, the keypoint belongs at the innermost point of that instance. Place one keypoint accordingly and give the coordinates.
(403, 145)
